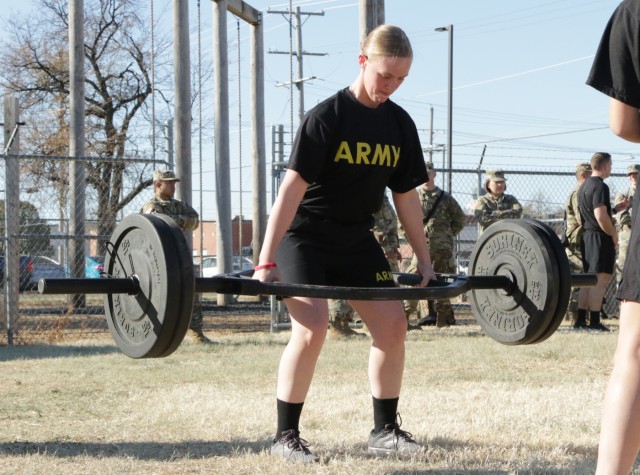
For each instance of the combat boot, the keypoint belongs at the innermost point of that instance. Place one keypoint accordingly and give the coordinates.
(581, 320)
(441, 322)
(430, 319)
(451, 319)
(572, 316)
(199, 337)
(595, 324)
(445, 316)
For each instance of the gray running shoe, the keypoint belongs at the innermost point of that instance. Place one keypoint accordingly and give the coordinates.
(291, 447)
(393, 440)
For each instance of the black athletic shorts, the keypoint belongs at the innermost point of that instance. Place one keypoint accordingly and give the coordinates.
(629, 288)
(598, 252)
(322, 252)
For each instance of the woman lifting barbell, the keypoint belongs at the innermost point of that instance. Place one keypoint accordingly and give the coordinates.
(348, 149)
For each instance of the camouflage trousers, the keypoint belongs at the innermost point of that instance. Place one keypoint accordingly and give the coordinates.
(341, 313)
(575, 264)
(443, 263)
(623, 244)
(196, 314)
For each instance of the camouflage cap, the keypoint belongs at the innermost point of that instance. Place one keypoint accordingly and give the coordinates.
(633, 169)
(583, 167)
(429, 166)
(165, 175)
(496, 175)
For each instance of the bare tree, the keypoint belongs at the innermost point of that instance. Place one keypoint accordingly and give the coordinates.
(538, 207)
(117, 85)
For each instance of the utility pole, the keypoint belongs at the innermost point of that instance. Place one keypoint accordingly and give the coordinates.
(169, 132)
(77, 171)
(371, 15)
(299, 53)
(11, 219)
(431, 135)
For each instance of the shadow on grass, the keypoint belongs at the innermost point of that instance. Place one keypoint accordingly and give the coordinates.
(199, 449)
(158, 451)
(42, 351)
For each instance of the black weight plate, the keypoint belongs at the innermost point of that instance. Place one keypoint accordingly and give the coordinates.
(564, 280)
(511, 248)
(187, 286)
(143, 325)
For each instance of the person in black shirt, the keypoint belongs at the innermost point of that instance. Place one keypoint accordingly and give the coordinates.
(616, 73)
(348, 150)
(599, 240)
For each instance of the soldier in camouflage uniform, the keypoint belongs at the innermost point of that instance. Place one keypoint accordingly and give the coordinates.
(573, 235)
(495, 204)
(385, 229)
(163, 202)
(624, 216)
(443, 219)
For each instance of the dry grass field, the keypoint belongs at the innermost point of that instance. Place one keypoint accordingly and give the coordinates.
(477, 406)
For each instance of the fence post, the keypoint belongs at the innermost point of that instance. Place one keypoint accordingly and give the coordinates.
(77, 172)
(11, 213)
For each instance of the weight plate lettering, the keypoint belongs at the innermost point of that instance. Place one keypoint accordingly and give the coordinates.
(520, 315)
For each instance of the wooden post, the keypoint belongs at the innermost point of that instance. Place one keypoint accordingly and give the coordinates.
(221, 111)
(182, 131)
(77, 173)
(11, 213)
(371, 15)
(258, 138)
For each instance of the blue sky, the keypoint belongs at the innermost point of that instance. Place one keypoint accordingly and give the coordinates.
(519, 75)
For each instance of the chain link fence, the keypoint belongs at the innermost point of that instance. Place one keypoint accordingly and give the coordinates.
(542, 194)
(44, 236)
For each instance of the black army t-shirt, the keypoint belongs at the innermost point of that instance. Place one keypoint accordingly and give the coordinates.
(616, 67)
(616, 73)
(349, 153)
(593, 193)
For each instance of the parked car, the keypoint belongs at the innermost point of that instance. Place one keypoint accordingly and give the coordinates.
(26, 267)
(43, 267)
(210, 265)
(93, 266)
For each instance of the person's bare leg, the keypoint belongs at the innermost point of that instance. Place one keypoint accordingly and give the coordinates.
(597, 293)
(387, 325)
(309, 323)
(620, 427)
(583, 298)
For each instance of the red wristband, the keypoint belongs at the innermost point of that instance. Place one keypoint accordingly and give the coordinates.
(268, 265)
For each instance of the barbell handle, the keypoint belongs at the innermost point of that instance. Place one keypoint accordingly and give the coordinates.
(102, 285)
(583, 280)
(448, 286)
(241, 284)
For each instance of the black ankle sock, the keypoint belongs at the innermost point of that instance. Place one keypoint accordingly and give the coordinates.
(582, 316)
(594, 318)
(288, 416)
(384, 412)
